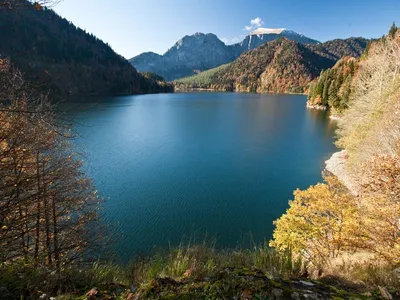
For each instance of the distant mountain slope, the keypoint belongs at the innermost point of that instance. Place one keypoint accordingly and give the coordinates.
(336, 49)
(192, 53)
(278, 66)
(64, 59)
(203, 80)
(200, 52)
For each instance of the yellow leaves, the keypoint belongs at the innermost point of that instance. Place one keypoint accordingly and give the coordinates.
(318, 221)
(3, 145)
(4, 227)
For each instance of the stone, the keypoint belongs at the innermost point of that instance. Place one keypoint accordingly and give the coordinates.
(307, 283)
(277, 293)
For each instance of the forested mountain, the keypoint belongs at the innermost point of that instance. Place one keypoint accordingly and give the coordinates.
(65, 60)
(200, 52)
(332, 89)
(336, 49)
(278, 66)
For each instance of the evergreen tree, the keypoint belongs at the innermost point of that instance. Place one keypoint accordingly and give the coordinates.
(333, 95)
(393, 30)
(325, 95)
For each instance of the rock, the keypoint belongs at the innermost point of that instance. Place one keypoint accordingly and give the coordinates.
(295, 296)
(336, 165)
(277, 293)
(307, 283)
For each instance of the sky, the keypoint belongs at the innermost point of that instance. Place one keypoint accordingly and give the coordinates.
(132, 26)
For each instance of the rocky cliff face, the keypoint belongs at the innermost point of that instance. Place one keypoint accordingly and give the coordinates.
(200, 52)
(264, 35)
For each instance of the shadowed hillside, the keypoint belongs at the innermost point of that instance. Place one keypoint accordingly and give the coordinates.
(58, 56)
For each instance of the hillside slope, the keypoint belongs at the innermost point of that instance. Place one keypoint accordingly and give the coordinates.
(200, 52)
(279, 66)
(332, 89)
(58, 56)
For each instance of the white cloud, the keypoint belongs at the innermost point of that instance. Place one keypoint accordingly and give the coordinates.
(254, 24)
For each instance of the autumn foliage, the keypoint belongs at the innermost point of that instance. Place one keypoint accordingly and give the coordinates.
(326, 221)
(48, 207)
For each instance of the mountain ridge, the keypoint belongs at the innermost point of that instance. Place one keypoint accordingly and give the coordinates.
(65, 60)
(282, 66)
(199, 52)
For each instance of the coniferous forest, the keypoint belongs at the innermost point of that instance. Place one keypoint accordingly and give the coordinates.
(64, 59)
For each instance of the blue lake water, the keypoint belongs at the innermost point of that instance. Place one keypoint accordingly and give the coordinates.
(193, 164)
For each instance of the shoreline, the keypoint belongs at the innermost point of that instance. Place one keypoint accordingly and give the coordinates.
(336, 165)
(183, 90)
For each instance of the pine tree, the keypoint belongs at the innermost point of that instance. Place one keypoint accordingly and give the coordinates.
(393, 30)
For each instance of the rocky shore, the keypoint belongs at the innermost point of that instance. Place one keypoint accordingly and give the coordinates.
(318, 107)
(337, 166)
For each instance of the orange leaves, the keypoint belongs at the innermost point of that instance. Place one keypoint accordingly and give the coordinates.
(38, 6)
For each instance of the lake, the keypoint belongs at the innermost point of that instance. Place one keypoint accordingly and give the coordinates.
(222, 165)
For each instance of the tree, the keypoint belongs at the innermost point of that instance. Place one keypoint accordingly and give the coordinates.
(48, 207)
(23, 4)
(319, 223)
(325, 94)
(393, 30)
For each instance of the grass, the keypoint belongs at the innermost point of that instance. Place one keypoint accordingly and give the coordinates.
(24, 280)
(189, 271)
(202, 261)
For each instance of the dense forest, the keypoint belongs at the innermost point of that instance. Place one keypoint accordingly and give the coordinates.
(332, 88)
(279, 66)
(65, 60)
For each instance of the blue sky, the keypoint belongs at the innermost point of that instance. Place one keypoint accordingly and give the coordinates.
(132, 26)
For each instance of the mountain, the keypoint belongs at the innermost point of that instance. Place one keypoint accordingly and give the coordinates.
(281, 66)
(336, 49)
(199, 52)
(192, 53)
(59, 57)
(263, 35)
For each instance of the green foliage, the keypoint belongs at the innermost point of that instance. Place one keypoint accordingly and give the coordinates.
(332, 89)
(203, 80)
(204, 260)
(393, 30)
(157, 84)
(56, 55)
